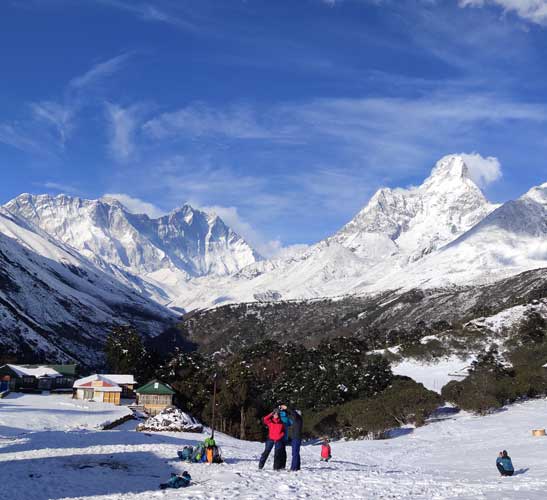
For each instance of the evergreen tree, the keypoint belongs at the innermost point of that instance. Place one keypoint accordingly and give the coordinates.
(190, 374)
(532, 329)
(124, 350)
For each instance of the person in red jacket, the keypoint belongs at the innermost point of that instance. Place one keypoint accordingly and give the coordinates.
(276, 433)
(326, 454)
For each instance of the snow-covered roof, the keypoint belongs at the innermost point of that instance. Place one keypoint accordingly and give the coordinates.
(112, 382)
(121, 379)
(115, 388)
(35, 371)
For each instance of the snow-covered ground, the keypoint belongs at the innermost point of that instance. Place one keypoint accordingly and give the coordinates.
(451, 459)
(434, 375)
(23, 413)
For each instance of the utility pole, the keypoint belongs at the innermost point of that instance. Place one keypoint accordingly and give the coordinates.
(214, 406)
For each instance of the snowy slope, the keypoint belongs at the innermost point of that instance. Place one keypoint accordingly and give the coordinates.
(57, 304)
(154, 255)
(450, 459)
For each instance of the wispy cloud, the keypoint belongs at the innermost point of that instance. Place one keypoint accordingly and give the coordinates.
(197, 120)
(136, 205)
(60, 116)
(14, 136)
(49, 124)
(123, 123)
(376, 132)
(99, 71)
(62, 188)
(534, 11)
(146, 11)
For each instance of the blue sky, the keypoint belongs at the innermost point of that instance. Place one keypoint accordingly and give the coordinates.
(284, 115)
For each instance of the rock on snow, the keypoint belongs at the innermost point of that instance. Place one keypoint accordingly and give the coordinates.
(171, 420)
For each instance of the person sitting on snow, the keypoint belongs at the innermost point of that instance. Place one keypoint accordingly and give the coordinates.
(276, 434)
(326, 452)
(504, 464)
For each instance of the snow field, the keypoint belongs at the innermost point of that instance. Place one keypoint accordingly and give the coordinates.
(434, 376)
(24, 413)
(452, 459)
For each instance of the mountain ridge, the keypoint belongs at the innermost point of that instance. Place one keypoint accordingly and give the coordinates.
(163, 251)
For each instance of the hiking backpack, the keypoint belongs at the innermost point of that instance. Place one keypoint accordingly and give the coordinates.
(199, 454)
(186, 454)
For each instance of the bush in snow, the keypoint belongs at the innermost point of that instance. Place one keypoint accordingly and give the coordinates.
(171, 420)
(403, 402)
(493, 382)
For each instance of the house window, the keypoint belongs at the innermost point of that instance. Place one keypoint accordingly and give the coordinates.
(28, 380)
(156, 399)
(88, 393)
(63, 382)
(110, 397)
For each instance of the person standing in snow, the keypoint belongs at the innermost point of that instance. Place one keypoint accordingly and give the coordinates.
(504, 464)
(296, 436)
(326, 453)
(287, 422)
(276, 435)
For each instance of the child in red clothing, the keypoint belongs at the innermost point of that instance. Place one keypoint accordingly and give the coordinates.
(326, 454)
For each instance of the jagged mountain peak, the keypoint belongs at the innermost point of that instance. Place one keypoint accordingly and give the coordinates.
(415, 221)
(537, 194)
(451, 166)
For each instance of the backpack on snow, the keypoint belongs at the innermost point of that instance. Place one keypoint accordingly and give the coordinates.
(199, 454)
(186, 453)
(177, 481)
(209, 442)
(215, 455)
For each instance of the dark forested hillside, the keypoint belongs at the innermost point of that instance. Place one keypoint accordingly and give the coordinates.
(381, 320)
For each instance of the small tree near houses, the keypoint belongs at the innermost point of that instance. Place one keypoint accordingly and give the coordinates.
(124, 350)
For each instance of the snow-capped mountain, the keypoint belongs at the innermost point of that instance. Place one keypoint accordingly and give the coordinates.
(397, 228)
(512, 239)
(441, 233)
(155, 255)
(414, 222)
(55, 304)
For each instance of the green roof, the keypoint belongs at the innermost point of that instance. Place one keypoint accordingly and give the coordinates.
(151, 388)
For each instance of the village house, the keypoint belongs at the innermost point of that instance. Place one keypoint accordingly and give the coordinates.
(108, 388)
(154, 396)
(37, 378)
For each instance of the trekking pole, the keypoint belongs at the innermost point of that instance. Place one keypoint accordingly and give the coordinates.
(214, 405)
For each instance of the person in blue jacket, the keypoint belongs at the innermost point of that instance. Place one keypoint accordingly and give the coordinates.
(504, 464)
(287, 422)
